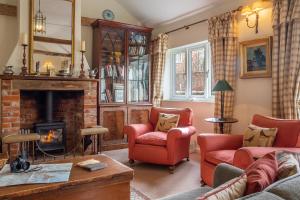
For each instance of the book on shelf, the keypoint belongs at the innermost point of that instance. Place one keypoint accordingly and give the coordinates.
(92, 165)
(108, 95)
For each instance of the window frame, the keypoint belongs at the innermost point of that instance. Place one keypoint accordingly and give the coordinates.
(187, 49)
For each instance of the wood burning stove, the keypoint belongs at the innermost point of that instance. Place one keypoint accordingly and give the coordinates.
(52, 133)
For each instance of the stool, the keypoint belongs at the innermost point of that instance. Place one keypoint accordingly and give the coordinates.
(21, 138)
(96, 133)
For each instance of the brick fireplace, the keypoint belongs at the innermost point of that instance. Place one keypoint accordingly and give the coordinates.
(24, 105)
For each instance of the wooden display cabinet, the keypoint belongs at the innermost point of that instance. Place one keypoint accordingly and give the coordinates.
(121, 53)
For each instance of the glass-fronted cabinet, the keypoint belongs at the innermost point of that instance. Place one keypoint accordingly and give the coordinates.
(121, 53)
(138, 68)
(112, 66)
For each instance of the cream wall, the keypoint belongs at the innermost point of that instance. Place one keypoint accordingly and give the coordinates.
(8, 38)
(252, 95)
(93, 9)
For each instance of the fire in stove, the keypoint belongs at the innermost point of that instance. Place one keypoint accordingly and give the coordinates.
(53, 136)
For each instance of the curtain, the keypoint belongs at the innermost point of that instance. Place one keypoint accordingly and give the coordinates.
(159, 49)
(224, 48)
(286, 59)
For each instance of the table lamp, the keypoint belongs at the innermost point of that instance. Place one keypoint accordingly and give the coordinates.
(222, 86)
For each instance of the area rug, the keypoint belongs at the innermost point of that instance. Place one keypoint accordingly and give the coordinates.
(137, 195)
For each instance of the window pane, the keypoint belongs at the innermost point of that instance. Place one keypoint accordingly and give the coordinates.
(198, 71)
(180, 79)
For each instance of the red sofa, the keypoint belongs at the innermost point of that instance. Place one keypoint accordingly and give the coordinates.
(156, 147)
(217, 148)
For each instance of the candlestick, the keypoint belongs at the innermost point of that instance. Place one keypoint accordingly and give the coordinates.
(25, 39)
(83, 48)
(24, 68)
(82, 73)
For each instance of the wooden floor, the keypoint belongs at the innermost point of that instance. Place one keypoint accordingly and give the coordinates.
(155, 181)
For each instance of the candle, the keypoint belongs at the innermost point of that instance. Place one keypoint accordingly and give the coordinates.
(25, 39)
(83, 45)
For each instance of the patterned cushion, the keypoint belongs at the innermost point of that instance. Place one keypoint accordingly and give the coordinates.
(288, 164)
(256, 136)
(166, 122)
(230, 190)
(153, 138)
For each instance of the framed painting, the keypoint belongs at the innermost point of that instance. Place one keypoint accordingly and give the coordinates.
(256, 58)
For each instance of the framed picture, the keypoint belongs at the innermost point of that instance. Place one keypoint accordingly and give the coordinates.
(256, 58)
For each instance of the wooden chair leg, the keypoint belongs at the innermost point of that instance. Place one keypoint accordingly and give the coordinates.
(8, 150)
(171, 169)
(131, 162)
(82, 149)
(33, 158)
(202, 183)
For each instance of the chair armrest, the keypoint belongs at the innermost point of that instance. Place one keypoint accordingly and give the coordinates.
(224, 173)
(135, 130)
(214, 142)
(181, 132)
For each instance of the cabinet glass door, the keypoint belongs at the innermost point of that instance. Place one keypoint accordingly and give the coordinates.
(112, 69)
(138, 68)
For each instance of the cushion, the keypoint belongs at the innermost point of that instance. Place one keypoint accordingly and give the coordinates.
(153, 138)
(256, 136)
(287, 188)
(230, 190)
(288, 163)
(261, 196)
(222, 156)
(185, 119)
(166, 122)
(261, 173)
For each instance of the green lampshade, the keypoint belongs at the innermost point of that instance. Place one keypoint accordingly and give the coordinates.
(222, 85)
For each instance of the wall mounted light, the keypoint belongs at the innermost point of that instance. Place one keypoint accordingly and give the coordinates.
(254, 10)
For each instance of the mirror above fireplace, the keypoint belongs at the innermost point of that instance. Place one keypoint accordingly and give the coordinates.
(52, 29)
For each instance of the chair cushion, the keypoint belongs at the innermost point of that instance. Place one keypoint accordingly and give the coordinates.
(256, 136)
(166, 122)
(222, 156)
(153, 138)
(288, 163)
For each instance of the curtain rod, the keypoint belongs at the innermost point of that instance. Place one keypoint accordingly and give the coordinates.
(186, 27)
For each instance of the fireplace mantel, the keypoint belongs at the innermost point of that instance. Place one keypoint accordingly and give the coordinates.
(47, 78)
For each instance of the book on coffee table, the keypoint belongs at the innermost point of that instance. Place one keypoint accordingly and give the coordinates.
(92, 165)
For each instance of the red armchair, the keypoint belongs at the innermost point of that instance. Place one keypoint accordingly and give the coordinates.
(217, 148)
(156, 147)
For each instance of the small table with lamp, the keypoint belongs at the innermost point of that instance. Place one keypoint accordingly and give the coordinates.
(222, 86)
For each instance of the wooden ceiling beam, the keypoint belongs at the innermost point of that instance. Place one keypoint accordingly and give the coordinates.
(8, 10)
(87, 21)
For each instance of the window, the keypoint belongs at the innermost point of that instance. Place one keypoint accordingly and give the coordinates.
(191, 72)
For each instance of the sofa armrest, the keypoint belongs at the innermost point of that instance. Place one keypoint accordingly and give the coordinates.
(224, 173)
(214, 142)
(181, 132)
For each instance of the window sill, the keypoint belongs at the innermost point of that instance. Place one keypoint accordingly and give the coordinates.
(208, 100)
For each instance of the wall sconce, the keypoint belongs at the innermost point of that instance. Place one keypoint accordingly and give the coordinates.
(254, 9)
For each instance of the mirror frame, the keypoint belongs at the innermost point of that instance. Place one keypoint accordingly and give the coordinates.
(31, 34)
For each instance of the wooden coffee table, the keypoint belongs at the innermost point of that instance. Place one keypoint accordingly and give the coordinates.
(111, 183)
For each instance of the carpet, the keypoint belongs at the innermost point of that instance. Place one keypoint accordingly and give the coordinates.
(155, 181)
(137, 195)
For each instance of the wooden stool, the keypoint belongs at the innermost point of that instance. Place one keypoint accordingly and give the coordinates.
(22, 139)
(95, 133)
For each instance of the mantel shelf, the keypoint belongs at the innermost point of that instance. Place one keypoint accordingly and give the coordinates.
(47, 78)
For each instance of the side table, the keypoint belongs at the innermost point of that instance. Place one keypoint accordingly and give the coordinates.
(221, 122)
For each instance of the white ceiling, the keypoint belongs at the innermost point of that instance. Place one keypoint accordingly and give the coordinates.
(157, 12)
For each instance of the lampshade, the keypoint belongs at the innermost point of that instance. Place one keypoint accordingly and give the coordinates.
(222, 85)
